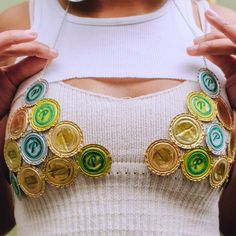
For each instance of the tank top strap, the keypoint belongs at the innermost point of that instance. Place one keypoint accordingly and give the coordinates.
(203, 5)
(186, 7)
(35, 12)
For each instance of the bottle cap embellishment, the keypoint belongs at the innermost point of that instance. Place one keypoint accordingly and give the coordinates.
(18, 123)
(94, 160)
(36, 92)
(31, 181)
(201, 106)
(216, 139)
(224, 114)
(209, 83)
(60, 172)
(65, 139)
(34, 148)
(220, 172)
(15, 185)
(44, 115)
(162, 157)
(231, 147)
(12, 155)
(186, 131)
(197, 164)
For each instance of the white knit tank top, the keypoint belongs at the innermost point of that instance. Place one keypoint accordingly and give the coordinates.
(130, 200)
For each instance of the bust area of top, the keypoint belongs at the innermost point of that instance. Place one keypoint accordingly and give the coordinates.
(120, 87)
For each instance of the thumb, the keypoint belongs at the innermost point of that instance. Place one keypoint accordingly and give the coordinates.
(226, 63)
(24, 69)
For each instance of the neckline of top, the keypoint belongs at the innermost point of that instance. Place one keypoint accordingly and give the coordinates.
(112, 21)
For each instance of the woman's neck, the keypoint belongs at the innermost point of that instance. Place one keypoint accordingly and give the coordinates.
(113, 8)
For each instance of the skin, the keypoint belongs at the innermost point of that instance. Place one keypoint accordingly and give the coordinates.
(117, 88)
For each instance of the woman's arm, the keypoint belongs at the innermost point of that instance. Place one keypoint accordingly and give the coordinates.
(7, 220)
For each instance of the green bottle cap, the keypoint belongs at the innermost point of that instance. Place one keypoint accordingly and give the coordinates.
(94, 160)
(197, 164)
(44, 114)
(36, 92)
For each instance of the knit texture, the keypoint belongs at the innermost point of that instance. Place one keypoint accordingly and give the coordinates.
(144, 46)
(129, 200)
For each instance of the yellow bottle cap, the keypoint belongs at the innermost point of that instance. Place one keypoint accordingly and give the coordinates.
(60, 172)
(201, 106)
(44, 115)
(220, 172)
(12, 155)
(65, 139)
(31, 181)
(186, 131)
(162, 157)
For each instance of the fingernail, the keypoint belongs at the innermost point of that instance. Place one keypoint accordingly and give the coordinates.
(212, 13)
(214, 16)
(192, 48)
(30, 33)
(200, 38)
(53, 52)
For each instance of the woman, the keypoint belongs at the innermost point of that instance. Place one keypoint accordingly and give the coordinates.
(122, 64)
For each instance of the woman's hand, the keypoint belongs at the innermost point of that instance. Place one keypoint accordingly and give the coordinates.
(220, 48)
(17, 43)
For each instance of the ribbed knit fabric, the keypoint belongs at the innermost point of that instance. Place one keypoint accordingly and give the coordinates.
(144, 46)
(129, 200)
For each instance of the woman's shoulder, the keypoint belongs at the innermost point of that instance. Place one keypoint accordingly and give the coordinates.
(16, 17)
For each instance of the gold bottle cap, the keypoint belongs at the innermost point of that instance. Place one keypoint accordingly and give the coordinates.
(18, 123)
(60, 172)
(65, 139)
(12, 155)
(44, 115)
(201, 106)
(231, 147)
(224, 113)
(219, 173)
(186, 131)
(94, 160)
(197, 164)
(162, 157)
(31, 181)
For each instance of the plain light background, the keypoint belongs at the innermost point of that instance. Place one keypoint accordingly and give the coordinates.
(4, 4)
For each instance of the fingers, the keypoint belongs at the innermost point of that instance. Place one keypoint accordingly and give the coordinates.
(222, 25)
(29, 49)
(226, 63)
(214, 47)
(24, 69)
(12, 37)
(209, 37)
